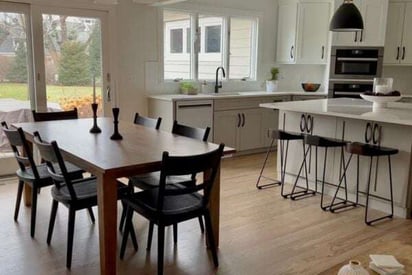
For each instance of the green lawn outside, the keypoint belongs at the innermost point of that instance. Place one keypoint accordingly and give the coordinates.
(54, 93)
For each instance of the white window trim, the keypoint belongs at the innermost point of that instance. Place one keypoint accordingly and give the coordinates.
(227, 13)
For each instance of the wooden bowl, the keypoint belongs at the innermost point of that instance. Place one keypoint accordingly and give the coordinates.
(310, 87)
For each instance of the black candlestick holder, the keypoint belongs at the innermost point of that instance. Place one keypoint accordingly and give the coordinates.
(95, 129)
(116, 135)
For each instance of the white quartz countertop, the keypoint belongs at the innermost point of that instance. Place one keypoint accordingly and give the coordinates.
(395, 113)
(174, 97)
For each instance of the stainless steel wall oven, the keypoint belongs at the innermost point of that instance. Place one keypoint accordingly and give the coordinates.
(352, 70)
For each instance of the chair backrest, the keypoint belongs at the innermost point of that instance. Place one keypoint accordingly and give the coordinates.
(147, 121)
(50, 153)
(46, 116)
(191, 132)
(24, 156)
(207, 163)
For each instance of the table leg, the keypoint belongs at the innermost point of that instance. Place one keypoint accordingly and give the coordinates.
(215, 206)
(27, 195)
(107, 205)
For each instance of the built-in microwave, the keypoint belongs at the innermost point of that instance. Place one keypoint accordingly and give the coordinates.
(356, 63)
(349, 88)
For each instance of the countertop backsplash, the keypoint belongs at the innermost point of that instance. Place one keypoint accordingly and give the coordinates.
(402, 78)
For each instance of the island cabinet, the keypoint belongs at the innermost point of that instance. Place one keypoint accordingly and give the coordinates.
(241, 124)
(398, 43)
(374, 14)
(320, 125)
(386, 135)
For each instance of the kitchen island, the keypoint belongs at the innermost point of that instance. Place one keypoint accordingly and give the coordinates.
(347, 119)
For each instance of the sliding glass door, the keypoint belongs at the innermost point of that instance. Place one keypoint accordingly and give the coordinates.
(73, 61)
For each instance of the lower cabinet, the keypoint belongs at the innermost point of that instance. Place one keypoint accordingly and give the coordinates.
(241, 129)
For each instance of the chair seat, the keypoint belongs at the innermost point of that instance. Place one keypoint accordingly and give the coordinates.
(28, 176)
(323, 141)
(364, 149)
(284, 135)
(151, 180)
(86, 190)
(175, 208)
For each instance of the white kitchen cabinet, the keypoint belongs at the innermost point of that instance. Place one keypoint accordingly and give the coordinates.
(286, 36)
(374, 14)
(324, 126)
(303, 31)
(313, 32)
(398, 43)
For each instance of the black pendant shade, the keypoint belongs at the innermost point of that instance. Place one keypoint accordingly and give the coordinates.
(347, 18)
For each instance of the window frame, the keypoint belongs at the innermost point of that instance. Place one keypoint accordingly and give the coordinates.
(225, 43)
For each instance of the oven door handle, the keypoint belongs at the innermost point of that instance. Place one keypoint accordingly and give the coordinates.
(347, 93)
(356, 59)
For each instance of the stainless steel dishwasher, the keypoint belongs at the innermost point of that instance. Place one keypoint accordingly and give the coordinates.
(196, 113)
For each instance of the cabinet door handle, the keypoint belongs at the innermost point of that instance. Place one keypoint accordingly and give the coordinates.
(403, 53)
(238, 120)
(244, 120)
(309, 124)
(376, 137)
(361, 36)
(302, 123)
(397, 53)
(291, 52)
(323, 52)
(368, 132)
(356, 37)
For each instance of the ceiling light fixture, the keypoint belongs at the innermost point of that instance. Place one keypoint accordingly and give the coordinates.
(347, 18)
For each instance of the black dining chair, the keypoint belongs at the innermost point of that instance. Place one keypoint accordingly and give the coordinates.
(151, 180)
(74, 194)
(29, 172)
(171, 203)
(61, 115)
(147, 121)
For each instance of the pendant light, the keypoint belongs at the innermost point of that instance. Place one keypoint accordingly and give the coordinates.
(347, 18)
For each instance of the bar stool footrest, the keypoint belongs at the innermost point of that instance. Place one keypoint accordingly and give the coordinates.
(341, 205)
(378, 219)
(302, 194)
(267, 185)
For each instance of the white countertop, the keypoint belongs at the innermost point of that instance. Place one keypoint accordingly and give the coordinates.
(395, 113)
(173, 97)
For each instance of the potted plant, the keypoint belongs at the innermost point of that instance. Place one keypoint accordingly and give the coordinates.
(188, 88)
(272, 84)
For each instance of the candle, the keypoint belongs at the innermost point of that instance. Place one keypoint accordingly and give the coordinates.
(94, 89)
(115, 94)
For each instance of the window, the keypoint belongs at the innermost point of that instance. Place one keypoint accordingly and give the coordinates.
(176, 41)
(230, 42)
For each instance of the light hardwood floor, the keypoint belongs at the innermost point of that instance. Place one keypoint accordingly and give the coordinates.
(261, 233)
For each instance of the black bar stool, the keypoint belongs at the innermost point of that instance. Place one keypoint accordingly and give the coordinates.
(282, 136)
(371, 151)
(317, 141)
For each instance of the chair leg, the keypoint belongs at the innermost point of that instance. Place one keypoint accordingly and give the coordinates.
(150, 236)
(123, 216)
(211, 238)
(18, 199)
(128, 227)
(175, 233)
(33, 211)
(160, 248)
(90, 210)
(390, 216)
(202, 227)
(55, 204)
(323, 207)
(306, 192)
(70, 234)
(275, 182)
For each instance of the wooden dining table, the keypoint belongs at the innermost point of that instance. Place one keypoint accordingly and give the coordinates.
(140, 151)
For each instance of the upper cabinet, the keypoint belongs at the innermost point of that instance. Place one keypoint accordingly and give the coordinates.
(287, 24)
(303, 31)
(398, 43)
(374, 14)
